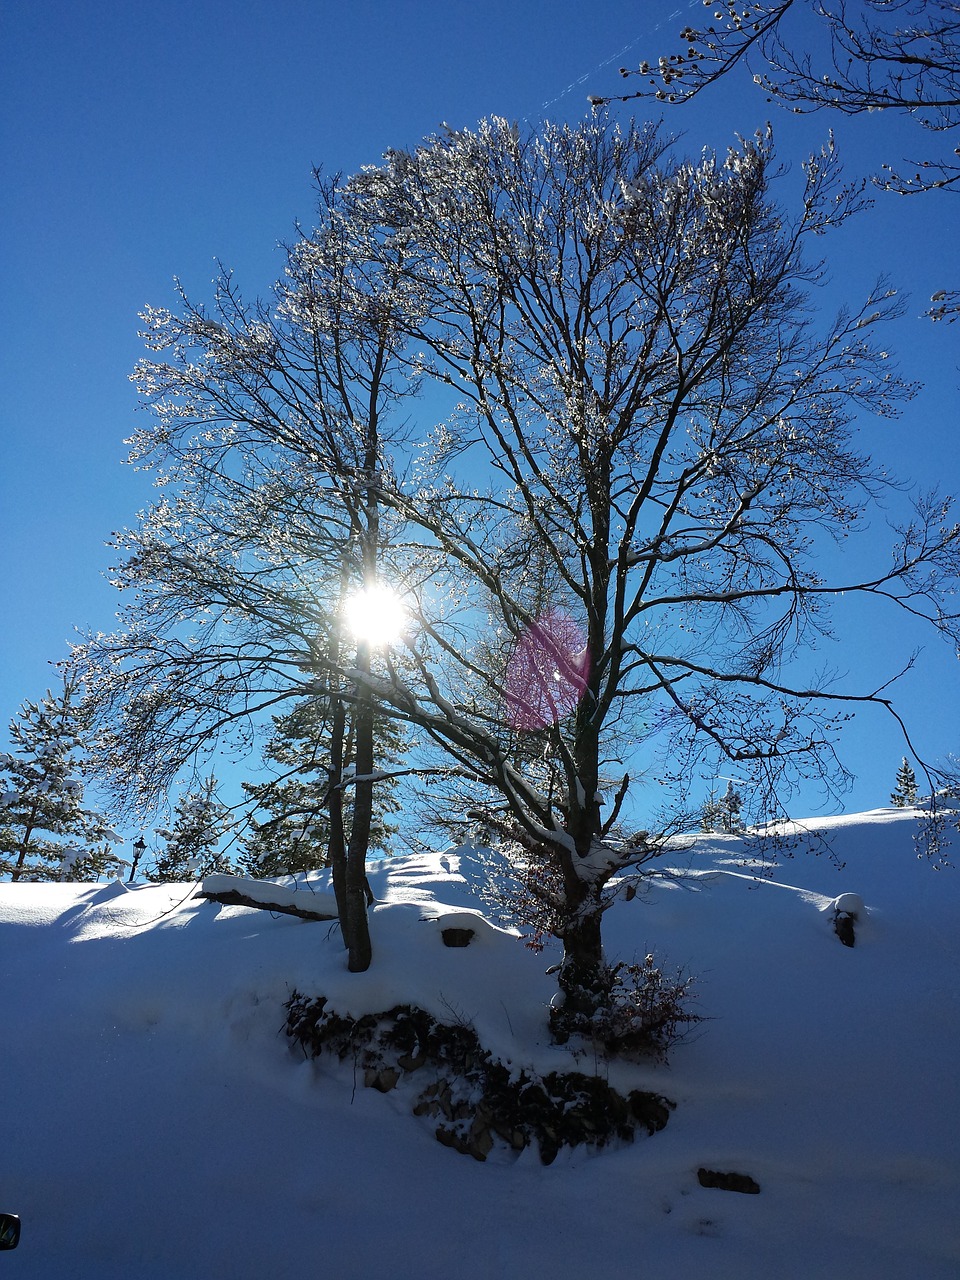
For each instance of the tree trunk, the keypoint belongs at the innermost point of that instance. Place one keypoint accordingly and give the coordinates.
(25, 842)
(584, 978)
(358, 941)
(358, 890)
(336, 848)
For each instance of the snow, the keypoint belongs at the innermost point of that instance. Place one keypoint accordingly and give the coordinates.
(157, 1123)
(850, 904)
(269, 894)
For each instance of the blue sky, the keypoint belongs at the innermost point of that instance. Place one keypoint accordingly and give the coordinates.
(145, 141)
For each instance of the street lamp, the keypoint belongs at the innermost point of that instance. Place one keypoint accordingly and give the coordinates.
(138, 847)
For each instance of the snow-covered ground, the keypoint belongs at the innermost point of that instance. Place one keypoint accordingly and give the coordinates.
(155, 1122)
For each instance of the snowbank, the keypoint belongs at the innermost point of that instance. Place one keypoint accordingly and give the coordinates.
(157, 1124)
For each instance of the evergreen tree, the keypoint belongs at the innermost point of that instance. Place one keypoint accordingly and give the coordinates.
(710, 815)
(294, 832)
(724, 814)
(906, 793)
(200, 820)
(46, 832)
(92, 864)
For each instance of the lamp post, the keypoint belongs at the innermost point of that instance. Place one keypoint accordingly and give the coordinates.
(138, 847)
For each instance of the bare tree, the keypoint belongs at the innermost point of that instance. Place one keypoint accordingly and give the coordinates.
(265, 437)
(666, 429)
(874, 55)
(605, 545)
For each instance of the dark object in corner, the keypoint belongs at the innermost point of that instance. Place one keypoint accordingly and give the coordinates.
(457, 937)
(843, 926)
(728, 1181)
(9, 1230)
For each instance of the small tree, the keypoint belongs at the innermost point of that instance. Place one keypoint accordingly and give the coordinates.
(93, 863)
(46, 831)
(290, 831)
(905, 795)
(723, 814)
(200, 821)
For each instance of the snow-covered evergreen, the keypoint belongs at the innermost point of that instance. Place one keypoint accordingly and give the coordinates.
(46, 830)
(290, 829)
(192, 840)
(905, 794)
(723, 814)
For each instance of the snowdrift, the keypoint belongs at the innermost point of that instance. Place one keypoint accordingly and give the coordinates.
(156, 1122)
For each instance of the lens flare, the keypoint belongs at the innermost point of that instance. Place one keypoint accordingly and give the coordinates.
(376, 615)
(547, 673)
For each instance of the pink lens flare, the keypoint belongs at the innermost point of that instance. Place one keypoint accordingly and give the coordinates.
(547, 673)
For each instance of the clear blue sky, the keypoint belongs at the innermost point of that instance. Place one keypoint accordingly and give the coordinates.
(143, 141)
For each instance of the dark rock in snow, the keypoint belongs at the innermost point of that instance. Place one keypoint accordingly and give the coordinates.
(474, 1098)
(457, 937)
(728, 1181)
(843, 927)
(383, 1080)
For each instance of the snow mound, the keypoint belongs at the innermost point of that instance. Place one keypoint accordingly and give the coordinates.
(160, 1125)
(850, 904)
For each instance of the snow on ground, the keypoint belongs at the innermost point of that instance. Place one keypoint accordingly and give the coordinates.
(156, 1124)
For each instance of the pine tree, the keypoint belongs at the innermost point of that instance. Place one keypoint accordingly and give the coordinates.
(92, 864)
(294, 833)
(200, 821)
(724, 814)
(46, 832)
(710, 815)
(906, 793)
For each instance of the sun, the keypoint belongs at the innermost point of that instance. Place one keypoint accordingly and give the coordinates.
(376, 615)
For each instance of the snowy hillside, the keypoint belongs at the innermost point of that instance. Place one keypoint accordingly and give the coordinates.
(157, 1124)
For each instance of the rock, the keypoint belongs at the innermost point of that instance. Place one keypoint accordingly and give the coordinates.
(843, 928)
(741, 1182)
(847, 909)
(466, 1144)
(383, 1079)
(426, 1107)
(448, 1137)
(651, 1109)
(476, 1101)
(481, 1141)
(456, 937)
